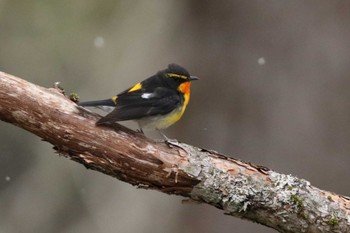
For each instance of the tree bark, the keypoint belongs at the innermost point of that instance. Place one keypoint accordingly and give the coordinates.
(240, 189)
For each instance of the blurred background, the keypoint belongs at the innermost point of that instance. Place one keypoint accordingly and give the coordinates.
(274, 91)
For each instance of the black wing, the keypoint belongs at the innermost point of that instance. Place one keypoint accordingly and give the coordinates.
(138, 104)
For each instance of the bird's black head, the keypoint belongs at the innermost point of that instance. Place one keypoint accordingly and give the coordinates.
(178, 73)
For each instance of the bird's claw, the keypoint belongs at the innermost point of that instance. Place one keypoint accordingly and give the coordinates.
(140, 131)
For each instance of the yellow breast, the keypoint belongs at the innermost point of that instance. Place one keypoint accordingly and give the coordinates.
(163, 122)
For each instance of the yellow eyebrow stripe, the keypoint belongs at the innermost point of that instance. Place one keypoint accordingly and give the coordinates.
(114, 98)
(136, 87)
(176, 75)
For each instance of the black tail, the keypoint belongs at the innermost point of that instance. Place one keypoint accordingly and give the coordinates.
(106, 102)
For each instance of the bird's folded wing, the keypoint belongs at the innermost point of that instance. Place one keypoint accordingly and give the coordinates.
(137, 104)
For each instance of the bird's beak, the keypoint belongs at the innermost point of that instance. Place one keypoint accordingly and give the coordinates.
(193, 78)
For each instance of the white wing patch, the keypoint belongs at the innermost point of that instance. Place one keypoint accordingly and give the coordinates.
(146, 95)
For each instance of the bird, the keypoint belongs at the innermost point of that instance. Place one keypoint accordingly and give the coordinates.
(155, 103)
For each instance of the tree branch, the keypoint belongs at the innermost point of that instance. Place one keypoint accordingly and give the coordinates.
(241, 189)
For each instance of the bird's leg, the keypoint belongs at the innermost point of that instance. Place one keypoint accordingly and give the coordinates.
(167, 140)
(171, 143)
(163, 135)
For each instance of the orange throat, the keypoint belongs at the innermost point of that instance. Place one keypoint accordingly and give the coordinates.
(185, 88)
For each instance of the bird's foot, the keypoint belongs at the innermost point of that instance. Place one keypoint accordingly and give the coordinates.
(168, 141)
(140, 131)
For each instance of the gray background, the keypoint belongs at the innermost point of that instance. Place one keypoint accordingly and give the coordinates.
(290, 114)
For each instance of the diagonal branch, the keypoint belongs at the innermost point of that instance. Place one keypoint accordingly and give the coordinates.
(240, 189)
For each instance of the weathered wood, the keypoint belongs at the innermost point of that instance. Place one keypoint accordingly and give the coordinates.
(241, 189)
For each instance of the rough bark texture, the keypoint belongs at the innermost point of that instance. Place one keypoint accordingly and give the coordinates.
(241, 189)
